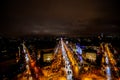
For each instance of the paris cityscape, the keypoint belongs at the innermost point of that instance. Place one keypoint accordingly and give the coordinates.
(59, 40)
(60, 58)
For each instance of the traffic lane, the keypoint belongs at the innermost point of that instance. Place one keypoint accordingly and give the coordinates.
(74, 64)
(67, 65)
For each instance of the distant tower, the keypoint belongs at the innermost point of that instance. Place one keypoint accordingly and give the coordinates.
(101, 35)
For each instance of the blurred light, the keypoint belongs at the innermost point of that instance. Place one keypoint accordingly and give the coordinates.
(26, 57)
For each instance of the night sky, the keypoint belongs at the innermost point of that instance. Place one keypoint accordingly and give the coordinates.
(59, 17)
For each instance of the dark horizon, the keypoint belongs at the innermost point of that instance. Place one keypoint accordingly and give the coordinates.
(78, 17)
